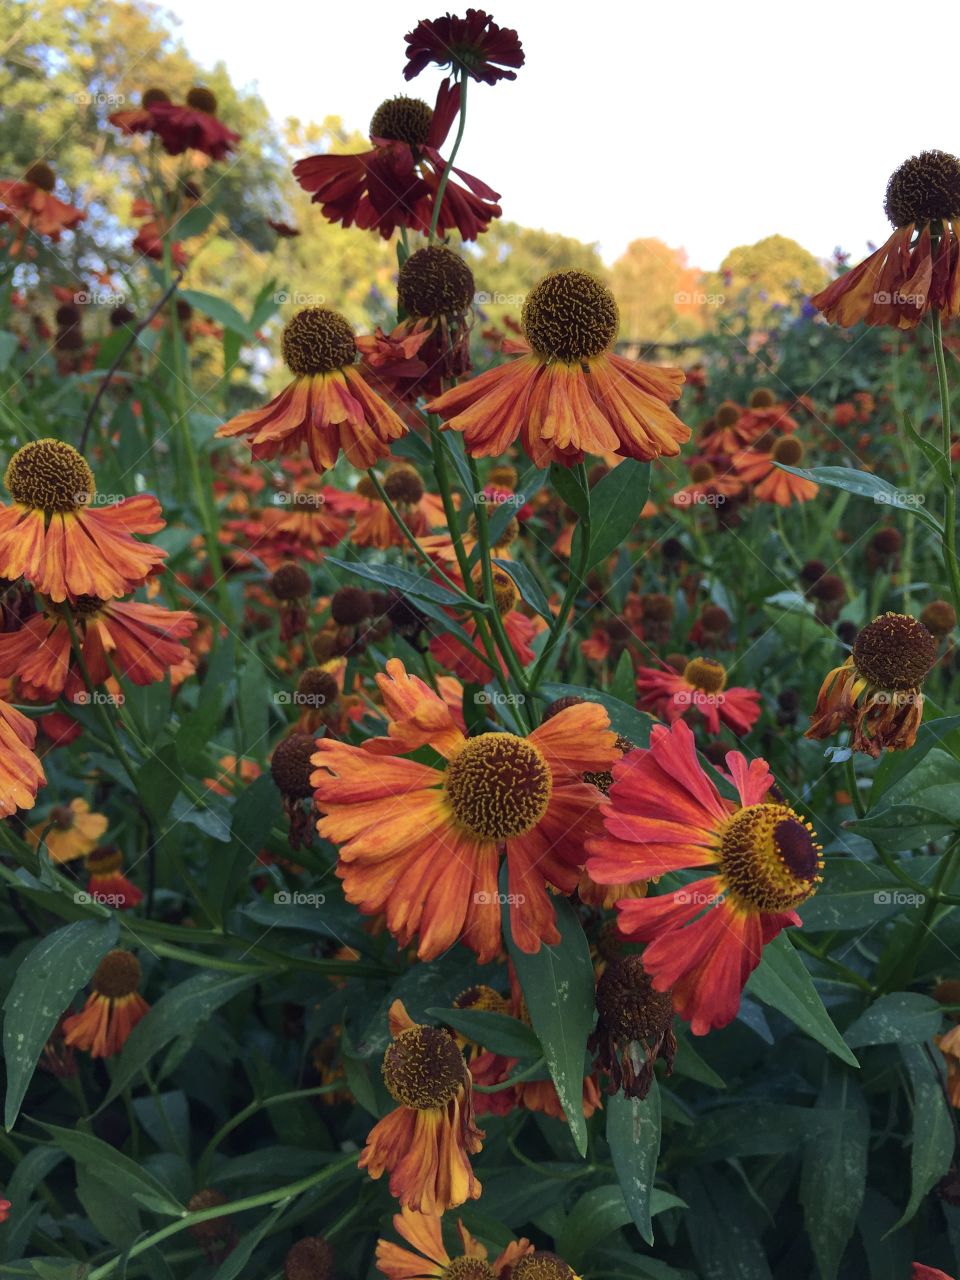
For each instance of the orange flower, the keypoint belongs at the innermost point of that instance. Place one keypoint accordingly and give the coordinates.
(431, 1261)
(104, 866)
(425, 1142)
(701, 687)
(949, 1046)
(328, 407)
(758, 467)
(706, 487)
(568, 394)
(113, 1008)
(32, 204)
(917, 270)
(876, 692)
(423, 844)
(74, 833)
(143, 641)
(452, 653)
(55, 534)
(21, 773)
(374, 526)
(665, 815)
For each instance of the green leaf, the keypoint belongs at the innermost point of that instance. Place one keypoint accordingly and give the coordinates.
(233, 1265)
(220, 310)
(558, 986)
(895, 765)
(125, 1176)
(494, 1031)
(596, 1216)
(722, 1231)
(253, 697)
(615, 505)
(420, 585)
(566, 481)
(931, 1153)
(177, 1011)
(903, 1017)
(115, 1217)
(633, 1132)
(193, 223)
(255, 811)
(49, 976)
(856, 894)
(781, 981)
(158, 782)
(834, 1173)
(527, 585)
(626, 720)
(689, 1063)
(623, 686)
(867, 485)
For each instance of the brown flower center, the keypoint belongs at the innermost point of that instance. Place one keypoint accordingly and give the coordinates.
(402, 484)
(469, 1269)
(894, 651)
(290, 582)
(483, 998)
(701, 471)
(435, 281)
(769, 858)
(570, 316)
(705, 674)
(498, 786)
(309, 1259)
(118, 974)
(402, 120)
(318, 340)
(423, 1068)
(762, 398)
(202, 99)
(154, 97)
(41, 175)
(924, 188)
(939, 617)
(727, 414)
(291, 765)
(628, 1006)
(542, 1266)
(788, 450)
(51, 476)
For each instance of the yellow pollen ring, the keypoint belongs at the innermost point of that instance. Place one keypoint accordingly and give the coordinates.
(705, 674)
(769, 858)
(498, 786)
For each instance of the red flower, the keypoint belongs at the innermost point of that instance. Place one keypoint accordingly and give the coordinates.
(395, 183)
(665, 815)
(194, 124)
(700, 687)
(475, 45)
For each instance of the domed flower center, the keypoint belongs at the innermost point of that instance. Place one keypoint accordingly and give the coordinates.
(50, 476)
(924, 188)
(423, 1068)
(509, 533)
(154, 97)
(483, 998)
(762, 398)
(310, 1259)
(769, 858)
(290, 582)
(628, 1006)
(202, 99)
(727, 414)
(86, 606)
(317, 687)
(788, 450)
(542, 1266)
(503, 476)
(367, 489)
(701, 472)
(498, 786)
(117, 975)
(402, 484)
(317, 340)
(402, 120)
(570, 316)
(939, 617)
(469, 1269)
(291, 765)
(894, 652)
(41, 175)
(435, 281)
(705, 674)
(505, 593)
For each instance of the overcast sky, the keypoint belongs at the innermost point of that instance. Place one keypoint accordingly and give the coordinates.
(708, 125)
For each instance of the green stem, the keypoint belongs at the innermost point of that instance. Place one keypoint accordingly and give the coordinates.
(856, 799)
(250, 1110)
(573, 585)
(949, 487)
(448, 167)
(264, 1199)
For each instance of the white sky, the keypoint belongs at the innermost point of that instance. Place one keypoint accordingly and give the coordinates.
(705, 124)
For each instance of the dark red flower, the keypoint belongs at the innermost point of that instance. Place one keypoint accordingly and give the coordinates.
(395, 183)
(474, 44)
(194, 124)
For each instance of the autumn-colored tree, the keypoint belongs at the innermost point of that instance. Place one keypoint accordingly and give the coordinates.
(659, 293)
(773, 273)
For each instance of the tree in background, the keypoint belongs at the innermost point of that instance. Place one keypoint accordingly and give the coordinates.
(775, 272)
(658, 292)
